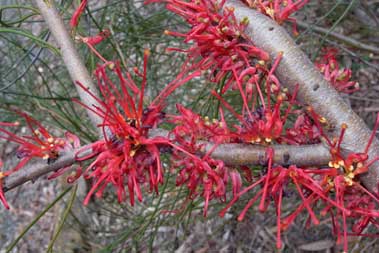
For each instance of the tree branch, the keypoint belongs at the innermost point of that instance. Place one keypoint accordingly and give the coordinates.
(295, 68)
(71, 58)
(232, 154)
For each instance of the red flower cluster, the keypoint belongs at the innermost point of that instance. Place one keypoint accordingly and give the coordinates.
(126, 155)
(336, 187)
(219, 44)
(338, 77)
(40, 144)
(203, 176)
(304, 131)
(264, 122)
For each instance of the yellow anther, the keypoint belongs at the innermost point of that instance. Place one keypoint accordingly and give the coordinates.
(132, 152)
(322, 120)
(359, 165)
(292, 174)
(330, 164)
(2, 175)
(225, 29)
(270, 12)
(341, 163)
(146, 51)
(45, 157)
(274, 88)
(268, 140)
(348, 181)
(350, 175)
(261, 62)
(111, 65)
(309, 108)
(50, 140)
(245, 21)
(344, 126)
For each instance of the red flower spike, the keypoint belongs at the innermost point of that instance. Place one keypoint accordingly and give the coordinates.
(94, 40)
(74, 21)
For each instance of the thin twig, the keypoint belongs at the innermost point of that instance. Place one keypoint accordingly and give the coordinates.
(342, 38)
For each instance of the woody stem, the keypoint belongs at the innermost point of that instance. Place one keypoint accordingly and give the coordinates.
(233, 154)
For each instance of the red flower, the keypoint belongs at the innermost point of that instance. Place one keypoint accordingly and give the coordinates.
(341, 180)
(273, 186)
(126, 155)
(219, 43)
(202, 175)
(304, 131)
(338, 77)
(40, 144)
(94, 40)
(78, 12)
